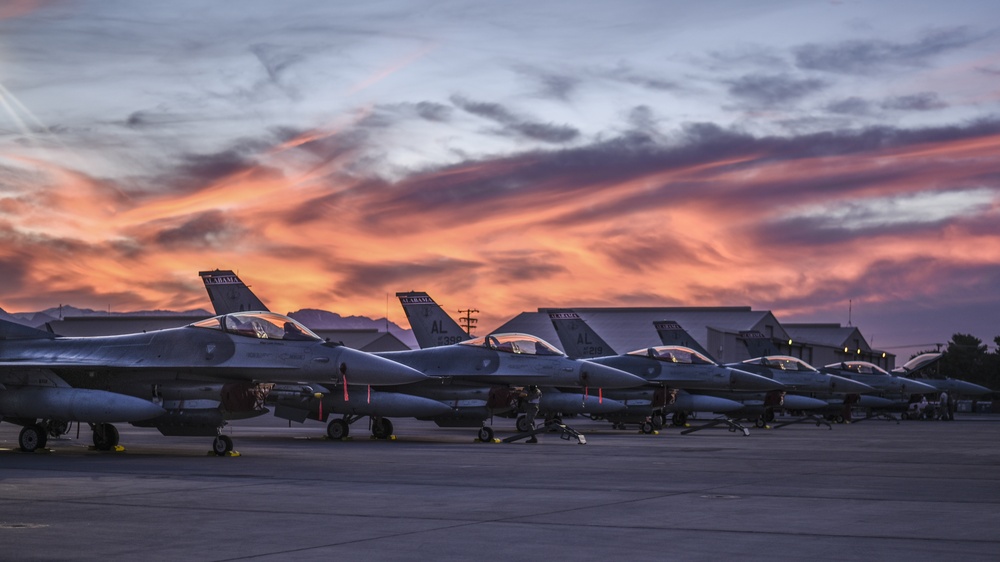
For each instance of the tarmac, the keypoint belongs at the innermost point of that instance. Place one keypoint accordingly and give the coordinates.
(874, 490)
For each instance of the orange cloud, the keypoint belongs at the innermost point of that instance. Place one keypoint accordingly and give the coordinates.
(508, 234)
(12, 9)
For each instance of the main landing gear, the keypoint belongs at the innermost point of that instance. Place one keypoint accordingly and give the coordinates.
(35, 436)
(485, 434)
(222, 445)
(381, 428)
(32, 437)
(105, 436)
(340, 428)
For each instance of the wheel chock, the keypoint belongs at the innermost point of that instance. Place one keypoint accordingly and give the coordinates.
(115, 449)
(229, 454)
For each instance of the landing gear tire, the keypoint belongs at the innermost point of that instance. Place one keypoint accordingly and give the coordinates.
(337, 429)
(32, 437)
(105, 437)
(222, 445)
(659, 420)
(485, 434)
(522, 424)
(839, 419)
(646, 427)
(759, 422)
(769, 415)
(679, 419)
(381, 428)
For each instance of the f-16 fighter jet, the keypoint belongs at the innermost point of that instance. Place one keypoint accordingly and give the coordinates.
(182, 381)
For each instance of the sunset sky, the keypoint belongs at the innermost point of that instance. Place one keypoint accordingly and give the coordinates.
(802, 157)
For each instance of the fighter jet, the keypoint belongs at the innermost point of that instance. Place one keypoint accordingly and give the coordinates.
(473, 379)
(667, 369)
(433, 327)
(182, 381)
(806, 388)
(922, 368)
(897, 390)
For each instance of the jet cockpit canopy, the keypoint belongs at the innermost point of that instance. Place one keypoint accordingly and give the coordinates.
(783, 362)
(514, 343)
(260, 325)
(673, 354)
(860, 367)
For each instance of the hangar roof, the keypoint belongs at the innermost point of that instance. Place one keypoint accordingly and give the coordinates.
(626, 329)
(830, 335)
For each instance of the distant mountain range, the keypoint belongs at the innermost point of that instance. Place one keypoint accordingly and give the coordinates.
(325, 320)
(312, 318)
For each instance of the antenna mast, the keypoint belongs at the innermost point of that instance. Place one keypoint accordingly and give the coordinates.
(467, 321)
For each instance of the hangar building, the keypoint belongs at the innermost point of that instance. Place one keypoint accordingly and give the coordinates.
(717, 329)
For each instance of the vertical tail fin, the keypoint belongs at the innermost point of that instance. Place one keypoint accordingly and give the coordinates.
(430, 323)
(228, 293)
(758, 344)
(14, 331)
(671, 333)
(578, 339)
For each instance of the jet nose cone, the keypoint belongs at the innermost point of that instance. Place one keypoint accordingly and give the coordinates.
(842, 385)
(596, 375)
(742, 380)
(359, 367)
(971, 389)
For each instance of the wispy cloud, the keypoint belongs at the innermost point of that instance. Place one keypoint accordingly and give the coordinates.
(873, 55)
(334, 155)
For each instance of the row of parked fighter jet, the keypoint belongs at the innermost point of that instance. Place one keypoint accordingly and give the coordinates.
(192, 380)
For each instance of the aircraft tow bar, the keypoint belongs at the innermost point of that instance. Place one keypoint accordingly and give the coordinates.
(732, 425)
(811, 418)
(550, 426)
